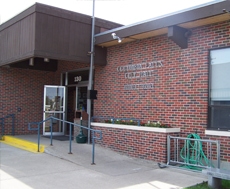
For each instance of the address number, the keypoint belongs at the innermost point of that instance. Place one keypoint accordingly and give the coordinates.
(77, 78)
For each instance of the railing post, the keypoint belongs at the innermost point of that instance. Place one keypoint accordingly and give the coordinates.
(51, 131)
(218, 154)
(93, 147)
(168, 149)
(39, 137)
(2, 129)
(70, 138)
(174, 149)
(13, 124)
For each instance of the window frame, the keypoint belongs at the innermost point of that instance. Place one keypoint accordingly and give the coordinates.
(210, 106)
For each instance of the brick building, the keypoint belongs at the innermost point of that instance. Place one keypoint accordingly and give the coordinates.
(173, 69)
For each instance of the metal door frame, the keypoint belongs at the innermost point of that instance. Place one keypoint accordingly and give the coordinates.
(63, 112)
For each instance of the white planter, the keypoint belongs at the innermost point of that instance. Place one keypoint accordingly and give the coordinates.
(138, 128)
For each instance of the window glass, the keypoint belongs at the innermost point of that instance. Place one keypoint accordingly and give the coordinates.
(220, 89)
(220, 75)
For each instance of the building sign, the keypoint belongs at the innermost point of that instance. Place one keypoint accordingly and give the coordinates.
(141, 70)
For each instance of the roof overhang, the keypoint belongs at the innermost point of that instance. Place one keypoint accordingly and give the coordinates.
(46, 32)
(174, 25)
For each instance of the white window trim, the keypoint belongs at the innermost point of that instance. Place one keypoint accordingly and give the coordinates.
(217, 133)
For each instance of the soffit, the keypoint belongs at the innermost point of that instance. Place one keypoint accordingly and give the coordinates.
(202, 15)
(163, 31)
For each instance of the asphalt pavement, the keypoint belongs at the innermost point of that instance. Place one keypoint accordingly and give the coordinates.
(58, 169)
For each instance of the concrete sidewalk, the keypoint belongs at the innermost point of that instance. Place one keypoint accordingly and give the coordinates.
(57, 169)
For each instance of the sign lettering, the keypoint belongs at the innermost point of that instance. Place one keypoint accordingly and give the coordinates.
(141, 70)
(77, 79)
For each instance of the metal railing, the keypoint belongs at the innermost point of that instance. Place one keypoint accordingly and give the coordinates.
(113, 120)
(51, 119)
(3, 121)
(192, 153)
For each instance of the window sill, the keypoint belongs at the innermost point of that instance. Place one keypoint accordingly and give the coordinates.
(217, 133)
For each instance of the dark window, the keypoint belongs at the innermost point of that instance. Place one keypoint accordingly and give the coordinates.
(219, 104)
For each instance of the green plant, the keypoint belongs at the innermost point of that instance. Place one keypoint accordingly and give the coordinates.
(157, 124)
(131, 122)
(124, 122)
(108, 121)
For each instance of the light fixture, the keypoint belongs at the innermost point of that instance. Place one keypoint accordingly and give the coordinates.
(225, 11)
(46, 60)
(31, 63)
(116, 37)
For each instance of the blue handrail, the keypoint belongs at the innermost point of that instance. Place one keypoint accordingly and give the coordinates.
(70, 134)
(2, 122)
(116, 119)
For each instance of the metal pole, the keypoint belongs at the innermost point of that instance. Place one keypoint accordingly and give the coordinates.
(218, 154)
(3, 129)
(51, 131)
(70, 138)
(93, 149)
(39, 137)
(168, 149)
(91, 72)
(13, 124)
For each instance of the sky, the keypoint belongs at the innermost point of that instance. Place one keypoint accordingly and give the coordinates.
(120, 11)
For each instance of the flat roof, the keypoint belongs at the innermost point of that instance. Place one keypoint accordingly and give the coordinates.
(208, 13)
(43, 31)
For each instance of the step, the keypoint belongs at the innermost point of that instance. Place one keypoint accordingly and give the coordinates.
(23, 144)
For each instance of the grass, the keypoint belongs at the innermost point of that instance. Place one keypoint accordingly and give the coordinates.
(204, 185)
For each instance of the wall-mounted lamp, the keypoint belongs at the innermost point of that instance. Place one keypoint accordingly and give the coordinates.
(116, 37)
(31, 63)
(225, 11)
(46, 60)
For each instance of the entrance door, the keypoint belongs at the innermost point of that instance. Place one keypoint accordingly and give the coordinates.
(54, 105)
(81, 98)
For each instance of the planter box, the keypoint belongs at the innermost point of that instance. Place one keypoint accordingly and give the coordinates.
(137, 141)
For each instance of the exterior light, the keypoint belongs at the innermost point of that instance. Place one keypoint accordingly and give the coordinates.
(31, 63)
(46, 60)
(114, 35)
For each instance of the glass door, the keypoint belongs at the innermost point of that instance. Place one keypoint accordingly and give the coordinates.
(81, 98)
(54, 105)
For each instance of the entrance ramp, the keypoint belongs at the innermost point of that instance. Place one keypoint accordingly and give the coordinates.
(23, 144)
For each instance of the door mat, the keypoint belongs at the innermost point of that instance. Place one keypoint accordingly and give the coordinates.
(60, 138)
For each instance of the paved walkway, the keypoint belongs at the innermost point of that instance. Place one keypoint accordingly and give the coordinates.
(57, 169)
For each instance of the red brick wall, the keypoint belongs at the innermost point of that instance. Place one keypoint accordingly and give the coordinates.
(139, 144)
(180, 94)
(22, 88)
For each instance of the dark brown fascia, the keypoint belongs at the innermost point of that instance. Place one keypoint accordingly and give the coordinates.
(165, 22)
(18, 17)
(71, 15)
(47, 9)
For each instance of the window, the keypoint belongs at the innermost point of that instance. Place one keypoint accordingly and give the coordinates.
(219, 104)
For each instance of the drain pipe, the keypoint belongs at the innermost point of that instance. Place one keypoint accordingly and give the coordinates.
(91, 72)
